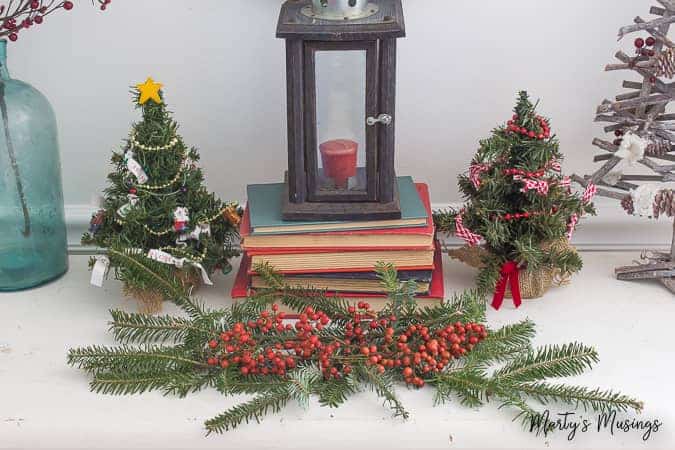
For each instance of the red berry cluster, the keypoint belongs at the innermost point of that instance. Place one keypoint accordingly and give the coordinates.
(268, 346)
(525, 215)
(22, 15)
(619, 135)
(517, 216)
(420, 351)
(238, 346)
(640, 48)
(545, 133)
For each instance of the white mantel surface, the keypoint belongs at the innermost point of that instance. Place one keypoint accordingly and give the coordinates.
(45, 403)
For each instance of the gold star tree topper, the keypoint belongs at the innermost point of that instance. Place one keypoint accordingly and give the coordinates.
(149, 91)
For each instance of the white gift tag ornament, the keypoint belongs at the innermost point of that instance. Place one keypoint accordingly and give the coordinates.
(124, 209)
(166, 258)
(100, 270)
(135, 168)
(202, 228)
(181, 217)
(189, 163)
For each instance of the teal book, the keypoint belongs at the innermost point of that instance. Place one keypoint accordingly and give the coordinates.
(264, 205)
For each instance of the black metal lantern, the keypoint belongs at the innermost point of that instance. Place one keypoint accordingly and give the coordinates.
(341, 75)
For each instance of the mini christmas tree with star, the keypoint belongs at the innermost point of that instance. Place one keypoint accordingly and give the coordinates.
(156, 205)
(521, 207)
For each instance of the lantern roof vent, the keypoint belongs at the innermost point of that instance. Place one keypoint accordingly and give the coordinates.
(341, 20)
(340, 9)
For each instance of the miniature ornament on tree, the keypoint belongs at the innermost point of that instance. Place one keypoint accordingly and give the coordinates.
(521, 207)
(181, 218)
(157, 209)
(641, 138)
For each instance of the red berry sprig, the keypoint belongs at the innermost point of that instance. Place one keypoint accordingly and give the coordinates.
(513, 127)
(268, 346)
(22, 15)
(523, 173)
(517, 216)
(642, 44)
(524, 215)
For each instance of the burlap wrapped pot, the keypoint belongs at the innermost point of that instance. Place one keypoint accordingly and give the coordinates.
(533, 283)
(150, 301)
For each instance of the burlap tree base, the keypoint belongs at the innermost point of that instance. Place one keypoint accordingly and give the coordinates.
(533, 284)
(150, 301)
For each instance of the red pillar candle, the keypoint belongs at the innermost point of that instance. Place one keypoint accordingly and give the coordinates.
(339, 160)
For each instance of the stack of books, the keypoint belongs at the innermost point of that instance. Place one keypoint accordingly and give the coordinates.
(340, 257)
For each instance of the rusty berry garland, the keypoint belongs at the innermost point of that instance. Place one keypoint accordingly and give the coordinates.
(333, 351)
(369, 339)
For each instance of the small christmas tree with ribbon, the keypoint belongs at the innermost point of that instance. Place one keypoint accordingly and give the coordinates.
(157, 206)
(521, 207)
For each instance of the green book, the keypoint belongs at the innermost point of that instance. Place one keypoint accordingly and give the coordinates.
(264, 205)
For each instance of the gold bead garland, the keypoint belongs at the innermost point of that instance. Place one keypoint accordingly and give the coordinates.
(197, 259)
(170, 229)
(152, 148)
(165, 185)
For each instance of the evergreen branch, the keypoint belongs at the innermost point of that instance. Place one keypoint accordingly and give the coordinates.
(594, 399)
(382, 385)
(125, 382)
(297, 298)
(547, 362)
(401, 294)
(512, 399)
(336, 392)
(517, 334)
(469, 385)
(503, 345)
(256, 409)
(489, 275)
(99, 358)
(530, 252)
(302, 383)
(445, 220)
(229, 382)
(130, 328)
(274, 366)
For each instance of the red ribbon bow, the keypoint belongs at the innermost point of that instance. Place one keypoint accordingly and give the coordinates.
(509, 274)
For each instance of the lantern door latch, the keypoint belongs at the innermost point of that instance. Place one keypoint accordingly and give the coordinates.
(384, 119)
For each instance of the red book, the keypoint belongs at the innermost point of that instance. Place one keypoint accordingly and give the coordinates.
(417, 238)
(241, 288)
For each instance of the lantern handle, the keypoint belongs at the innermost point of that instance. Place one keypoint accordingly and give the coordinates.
(384, 119)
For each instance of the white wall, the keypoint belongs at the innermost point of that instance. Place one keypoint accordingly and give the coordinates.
(223, 70)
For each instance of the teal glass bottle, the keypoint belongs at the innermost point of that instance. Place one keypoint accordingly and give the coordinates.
(33, 247)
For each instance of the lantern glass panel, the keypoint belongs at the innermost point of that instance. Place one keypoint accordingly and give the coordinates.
(340, 121)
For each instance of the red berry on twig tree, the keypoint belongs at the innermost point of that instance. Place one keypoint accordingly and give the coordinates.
(17, 16)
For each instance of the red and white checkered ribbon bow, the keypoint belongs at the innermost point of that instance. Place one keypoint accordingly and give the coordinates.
(475, 171)
(462, 232)
(555, 166)
(572, 225)
(566, 182)
(541, 186)
(589, 193)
